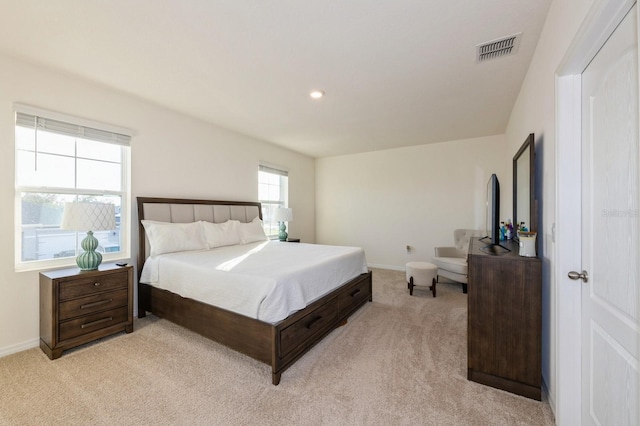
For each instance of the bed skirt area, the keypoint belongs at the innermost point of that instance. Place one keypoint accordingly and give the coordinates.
(279, 344)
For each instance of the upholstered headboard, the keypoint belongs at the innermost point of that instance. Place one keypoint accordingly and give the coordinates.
(176, 210)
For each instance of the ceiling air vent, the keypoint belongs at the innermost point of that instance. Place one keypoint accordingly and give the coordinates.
(496, 48)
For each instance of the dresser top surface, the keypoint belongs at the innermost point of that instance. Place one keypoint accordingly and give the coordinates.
(67, 272)
(508, 249)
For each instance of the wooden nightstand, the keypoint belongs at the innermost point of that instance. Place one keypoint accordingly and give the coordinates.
(77, 306)
(293, 240)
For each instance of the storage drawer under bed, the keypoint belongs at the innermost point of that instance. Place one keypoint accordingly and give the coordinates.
(353, 297)
(303, 329)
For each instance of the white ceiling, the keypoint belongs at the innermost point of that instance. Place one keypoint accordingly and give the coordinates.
(396, 72)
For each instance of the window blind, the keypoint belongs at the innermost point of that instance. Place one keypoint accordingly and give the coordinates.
(273, 170)
(69, 129)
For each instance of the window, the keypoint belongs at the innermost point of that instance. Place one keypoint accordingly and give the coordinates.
(61, 159)
(273, 192)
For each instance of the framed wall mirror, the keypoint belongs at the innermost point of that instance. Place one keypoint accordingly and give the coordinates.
(523, 186)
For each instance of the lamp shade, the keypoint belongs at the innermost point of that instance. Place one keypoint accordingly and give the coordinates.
(88, 217)
(283, 214)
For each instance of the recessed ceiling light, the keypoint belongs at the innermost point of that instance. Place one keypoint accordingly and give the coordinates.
(316, 94)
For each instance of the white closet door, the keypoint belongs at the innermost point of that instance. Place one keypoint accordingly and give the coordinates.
(610, 231)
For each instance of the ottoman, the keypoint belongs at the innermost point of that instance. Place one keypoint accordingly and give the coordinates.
(421, 273)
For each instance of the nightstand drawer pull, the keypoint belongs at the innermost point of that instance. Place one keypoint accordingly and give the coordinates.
(97, 284)
(92, 323)
(98, 303)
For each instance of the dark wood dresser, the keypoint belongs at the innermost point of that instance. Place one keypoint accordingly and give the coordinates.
(505, 320)
(77, 306)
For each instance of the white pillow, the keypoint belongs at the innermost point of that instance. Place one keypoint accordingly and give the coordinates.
(222, 234)
(252, 231)
(165, 237)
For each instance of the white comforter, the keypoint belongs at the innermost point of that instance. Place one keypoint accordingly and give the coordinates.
(266, 280)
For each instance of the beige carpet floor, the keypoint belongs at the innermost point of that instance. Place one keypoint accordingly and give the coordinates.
(400, 360)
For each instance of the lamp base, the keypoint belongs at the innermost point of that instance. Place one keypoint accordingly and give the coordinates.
(90, 259)
(282, 235)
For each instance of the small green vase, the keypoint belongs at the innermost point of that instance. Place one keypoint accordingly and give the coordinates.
(282, 235)
(90, 259)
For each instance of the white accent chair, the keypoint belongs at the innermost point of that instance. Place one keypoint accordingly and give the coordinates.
(452, 261)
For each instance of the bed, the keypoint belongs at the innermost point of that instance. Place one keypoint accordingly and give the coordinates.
(278, 343)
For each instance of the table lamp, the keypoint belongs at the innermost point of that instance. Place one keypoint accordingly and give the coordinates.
(89, 217)
(282, 215)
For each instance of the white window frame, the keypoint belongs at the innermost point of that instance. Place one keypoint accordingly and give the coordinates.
(121, 136)
(271, 228)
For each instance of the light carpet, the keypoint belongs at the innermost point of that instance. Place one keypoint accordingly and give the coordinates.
(400, 360)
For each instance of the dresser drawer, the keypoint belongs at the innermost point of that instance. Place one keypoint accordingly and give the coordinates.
(87, 324)
(354, 296)
(307, 326)
(94, 284)
(94, 303)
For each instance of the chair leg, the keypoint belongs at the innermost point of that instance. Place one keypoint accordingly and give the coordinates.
(411, 286)
(433, 286)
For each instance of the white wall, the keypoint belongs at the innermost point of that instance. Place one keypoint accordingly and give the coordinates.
(385, 200)
(534, 112)
(172, 156)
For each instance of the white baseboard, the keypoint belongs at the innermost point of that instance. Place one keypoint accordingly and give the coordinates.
(391, 267)
(402, 268)
(19, 347)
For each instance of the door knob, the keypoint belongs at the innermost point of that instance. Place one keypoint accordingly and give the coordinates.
(579, 276)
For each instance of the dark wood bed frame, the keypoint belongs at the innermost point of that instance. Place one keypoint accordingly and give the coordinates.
(278, 345)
